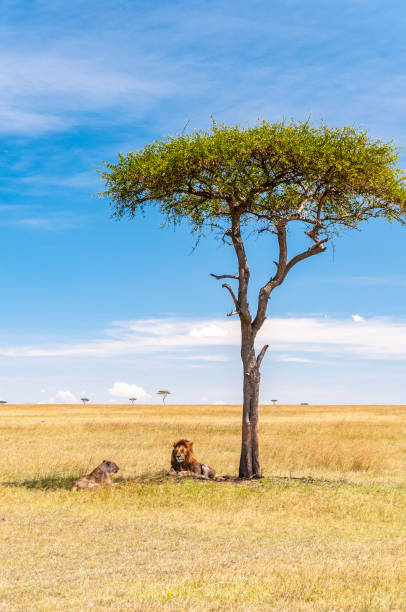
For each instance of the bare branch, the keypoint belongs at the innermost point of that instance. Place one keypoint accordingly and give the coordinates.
(265, 291)
(220, 276)
(283, 251)
(319, 247)
(243, 268)
(230, 314)
(283, 267)
(261, 354)
(226, 286)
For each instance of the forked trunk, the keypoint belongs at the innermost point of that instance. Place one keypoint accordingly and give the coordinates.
(249, 461)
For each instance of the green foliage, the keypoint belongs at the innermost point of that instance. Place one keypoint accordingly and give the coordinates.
(266, 173)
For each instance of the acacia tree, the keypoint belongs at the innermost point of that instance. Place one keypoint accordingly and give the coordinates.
(264, 178)
(164, 394)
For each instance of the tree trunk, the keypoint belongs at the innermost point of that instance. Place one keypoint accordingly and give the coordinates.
(249, 460)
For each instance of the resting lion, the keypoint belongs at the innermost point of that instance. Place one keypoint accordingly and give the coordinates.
(184, 463)
(99, 476)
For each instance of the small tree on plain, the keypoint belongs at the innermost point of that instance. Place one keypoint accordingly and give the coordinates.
(262, 179)
(164, 394)
(3, 402)
(274, 401)
(84, 400)
(132, 400)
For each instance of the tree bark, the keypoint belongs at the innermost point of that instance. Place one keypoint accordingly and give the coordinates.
(249, 459)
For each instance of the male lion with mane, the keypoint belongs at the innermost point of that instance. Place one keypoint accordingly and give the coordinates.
(184, 463)
(99, 476)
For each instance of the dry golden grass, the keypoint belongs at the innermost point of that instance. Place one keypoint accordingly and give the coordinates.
(152, 542)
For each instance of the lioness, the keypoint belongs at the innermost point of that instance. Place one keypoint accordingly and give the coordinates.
(99, 476)
(184, 462)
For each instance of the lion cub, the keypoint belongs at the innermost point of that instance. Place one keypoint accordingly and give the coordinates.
(184, 463)
(99, 476)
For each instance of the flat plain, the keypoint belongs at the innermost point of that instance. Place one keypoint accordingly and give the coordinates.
(325, 529)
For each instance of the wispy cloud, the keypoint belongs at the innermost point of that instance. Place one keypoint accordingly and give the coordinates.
(79, 180)
(150, 55)
(39, 217)
(44, 92)
(36, 217)
(51, 222)
(294, 359)
(361, 281)
(376, 338)
(23, 122)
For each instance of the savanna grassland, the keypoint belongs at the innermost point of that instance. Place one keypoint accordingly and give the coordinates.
(325, 529)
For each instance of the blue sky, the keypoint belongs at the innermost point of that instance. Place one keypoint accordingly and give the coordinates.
(112, 309)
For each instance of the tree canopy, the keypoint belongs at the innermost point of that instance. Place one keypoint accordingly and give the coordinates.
(271, 173)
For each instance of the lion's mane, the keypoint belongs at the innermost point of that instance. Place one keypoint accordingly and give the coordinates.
(190, 461)
(189, 464)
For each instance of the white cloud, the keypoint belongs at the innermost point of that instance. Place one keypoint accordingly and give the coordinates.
(209, 358)
(294, 359)
(357, 318)
(376, 338)
(127, 390)
(209, 331)
(66, 397)
(61, 397)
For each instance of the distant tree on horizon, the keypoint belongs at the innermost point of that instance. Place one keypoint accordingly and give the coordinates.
(164, 394)
(268, 180)
(132, 400)
(274, 401)
(3, 402)
(84, 400)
